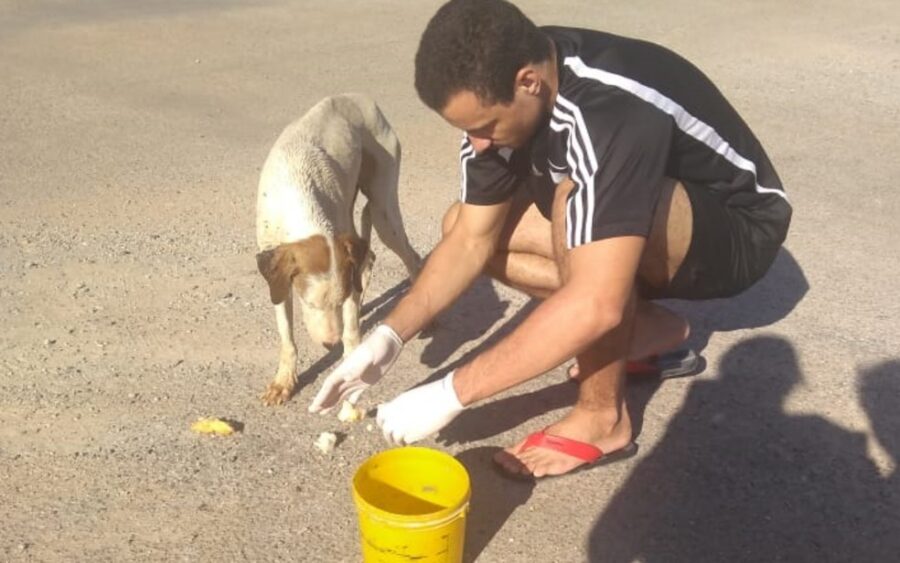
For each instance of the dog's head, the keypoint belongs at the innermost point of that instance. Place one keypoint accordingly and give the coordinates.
(323, 275)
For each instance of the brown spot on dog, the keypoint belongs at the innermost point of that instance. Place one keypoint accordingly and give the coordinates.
(280, 265)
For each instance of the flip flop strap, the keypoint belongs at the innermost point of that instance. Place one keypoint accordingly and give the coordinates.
(574, 448)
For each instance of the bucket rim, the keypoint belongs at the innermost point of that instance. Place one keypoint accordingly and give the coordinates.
(436, 518)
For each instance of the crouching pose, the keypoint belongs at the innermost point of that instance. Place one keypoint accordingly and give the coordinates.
(599, 173)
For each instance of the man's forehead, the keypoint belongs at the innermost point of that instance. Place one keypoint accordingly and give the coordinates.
(464, 110)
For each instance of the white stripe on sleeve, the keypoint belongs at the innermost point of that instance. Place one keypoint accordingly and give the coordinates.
(684, 120)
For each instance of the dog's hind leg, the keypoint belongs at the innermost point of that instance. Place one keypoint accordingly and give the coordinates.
(382, 194)
(281, 389)
(366, 236)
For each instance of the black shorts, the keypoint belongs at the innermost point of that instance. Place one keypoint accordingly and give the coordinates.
(734, 242)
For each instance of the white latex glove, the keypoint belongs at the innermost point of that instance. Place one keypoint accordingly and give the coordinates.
(361, 369)
(420, 412)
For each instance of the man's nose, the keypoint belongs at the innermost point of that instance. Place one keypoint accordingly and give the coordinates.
(479, 144)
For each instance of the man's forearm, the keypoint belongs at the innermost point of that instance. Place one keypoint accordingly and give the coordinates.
(449, 271)
(560, 328)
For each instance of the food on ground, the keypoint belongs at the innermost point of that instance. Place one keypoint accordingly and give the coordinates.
(326, 442)
(215, 426)
(351, 413)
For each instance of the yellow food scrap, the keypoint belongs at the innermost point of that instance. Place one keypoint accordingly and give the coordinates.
(215, 426)
(351, 413)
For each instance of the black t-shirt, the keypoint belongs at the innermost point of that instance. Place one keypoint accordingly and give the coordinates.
(627, 114)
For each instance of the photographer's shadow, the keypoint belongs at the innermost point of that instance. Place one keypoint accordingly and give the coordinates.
(736, 478)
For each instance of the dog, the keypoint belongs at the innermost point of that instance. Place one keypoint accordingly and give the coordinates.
(305, 229)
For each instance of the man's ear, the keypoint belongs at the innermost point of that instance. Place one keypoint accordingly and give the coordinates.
(278, 267)
(529, 80)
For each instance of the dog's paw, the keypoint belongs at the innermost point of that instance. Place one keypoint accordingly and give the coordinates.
(276, 394)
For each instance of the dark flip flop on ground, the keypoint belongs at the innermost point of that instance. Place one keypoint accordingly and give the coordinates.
(678, 363)
(590, 454)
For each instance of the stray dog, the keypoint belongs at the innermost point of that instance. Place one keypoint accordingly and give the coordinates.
(305, 229)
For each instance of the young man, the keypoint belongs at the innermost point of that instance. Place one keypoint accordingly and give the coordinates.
(598, 172)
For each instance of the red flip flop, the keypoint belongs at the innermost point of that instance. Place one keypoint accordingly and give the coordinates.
(590, 454)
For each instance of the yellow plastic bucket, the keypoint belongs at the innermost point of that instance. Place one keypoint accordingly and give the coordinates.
(412, 504)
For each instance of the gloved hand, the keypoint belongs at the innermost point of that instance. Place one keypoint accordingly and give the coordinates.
(361, 369)
(420, 412)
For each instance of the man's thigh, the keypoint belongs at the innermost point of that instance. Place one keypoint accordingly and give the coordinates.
(526, 230)
(669, 238)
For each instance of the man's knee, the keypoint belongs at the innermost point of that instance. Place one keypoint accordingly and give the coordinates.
(450, 218)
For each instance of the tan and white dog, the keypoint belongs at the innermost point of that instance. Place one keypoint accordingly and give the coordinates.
(305, 229)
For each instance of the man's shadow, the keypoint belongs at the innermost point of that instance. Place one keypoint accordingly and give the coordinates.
(735, 478)
(477, 310)
(771, 299)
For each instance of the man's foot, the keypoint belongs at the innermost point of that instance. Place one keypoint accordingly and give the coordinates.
(606, 430)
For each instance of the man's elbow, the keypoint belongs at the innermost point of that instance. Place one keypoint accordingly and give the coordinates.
(603, 317)
(479, 249)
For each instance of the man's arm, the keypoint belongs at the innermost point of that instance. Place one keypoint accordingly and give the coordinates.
(590, 304)
(451, 268)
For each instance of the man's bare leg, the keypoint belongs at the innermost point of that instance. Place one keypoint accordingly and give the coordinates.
(600, 416)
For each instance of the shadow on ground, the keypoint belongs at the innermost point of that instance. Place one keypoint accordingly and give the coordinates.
(770, 300)
(735, 478)
(494, 499)
(470, 317)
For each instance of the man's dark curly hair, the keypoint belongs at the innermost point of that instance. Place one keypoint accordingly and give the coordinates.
(476, 45)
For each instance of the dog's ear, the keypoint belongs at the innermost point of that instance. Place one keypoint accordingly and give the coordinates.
(284, 262)
(354, 253)
(278, 267)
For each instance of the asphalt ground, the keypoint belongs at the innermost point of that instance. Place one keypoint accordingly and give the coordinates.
(131, 138)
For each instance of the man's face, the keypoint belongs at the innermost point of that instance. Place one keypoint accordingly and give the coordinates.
(498, 125)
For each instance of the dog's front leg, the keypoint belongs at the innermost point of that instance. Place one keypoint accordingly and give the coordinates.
(350, 311)
(281, 389)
